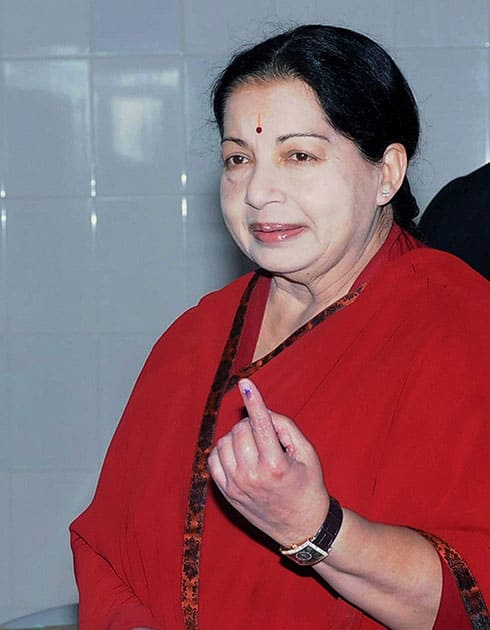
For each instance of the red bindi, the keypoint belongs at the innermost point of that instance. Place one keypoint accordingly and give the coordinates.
(258, 128)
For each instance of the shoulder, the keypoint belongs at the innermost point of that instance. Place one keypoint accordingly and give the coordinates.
(231, 292)
(440, 270)
(433, 268)
(434, 289)
(433, 313)
(469, 192)
(222, 302)
(207, 323)
(477, 181)
(184, 359)
(480, 176)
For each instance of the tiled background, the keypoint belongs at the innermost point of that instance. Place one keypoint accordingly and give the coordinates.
(109, 220)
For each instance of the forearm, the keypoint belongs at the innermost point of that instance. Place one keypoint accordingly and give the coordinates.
(392, 573)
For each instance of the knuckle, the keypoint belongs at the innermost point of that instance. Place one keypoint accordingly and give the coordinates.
(277, 469)
(245, 479)
(240, 427)
(251, 478)
(233, 490)
(221, 443)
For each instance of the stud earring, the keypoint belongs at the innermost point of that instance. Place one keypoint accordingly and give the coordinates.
(386, 193)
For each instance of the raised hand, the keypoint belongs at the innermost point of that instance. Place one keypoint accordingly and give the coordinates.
(268, 471)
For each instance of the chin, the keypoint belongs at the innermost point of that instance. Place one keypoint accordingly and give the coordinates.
(285, 268)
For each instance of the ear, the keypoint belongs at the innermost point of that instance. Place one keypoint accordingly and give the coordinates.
(393, 169)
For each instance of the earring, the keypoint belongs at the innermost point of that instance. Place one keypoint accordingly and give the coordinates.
(386, 193)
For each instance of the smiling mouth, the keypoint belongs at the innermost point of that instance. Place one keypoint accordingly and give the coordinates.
(275, 232)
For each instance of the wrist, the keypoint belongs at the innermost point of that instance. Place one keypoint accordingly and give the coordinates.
(316, 548)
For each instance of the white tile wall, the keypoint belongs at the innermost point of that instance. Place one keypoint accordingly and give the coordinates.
(215, 26)
(51, 27)
(202, 151)
(3, 260)
(5, 436)
(52, 410)
(5, 545)
(125, 26)
(43, 504)
(47, 132)
(50, 265)
(376, 19)
(138, 125)
(110, 222)
(441, 23)
(453, 93)
(140, 263)
(121, 357)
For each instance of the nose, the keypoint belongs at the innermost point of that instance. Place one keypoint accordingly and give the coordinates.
(263, 187)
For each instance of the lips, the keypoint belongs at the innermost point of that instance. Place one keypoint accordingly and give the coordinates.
(275, 232)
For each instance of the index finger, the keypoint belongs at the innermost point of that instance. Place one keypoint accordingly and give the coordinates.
(260, 420)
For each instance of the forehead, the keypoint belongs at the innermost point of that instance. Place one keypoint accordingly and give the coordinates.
(277, 100)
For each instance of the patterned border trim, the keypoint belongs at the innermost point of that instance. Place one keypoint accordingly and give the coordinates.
(330, 310)
(194, 523)
(223, 382)
(468, 588)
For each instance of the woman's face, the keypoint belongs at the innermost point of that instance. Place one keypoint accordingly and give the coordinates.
(297, 196)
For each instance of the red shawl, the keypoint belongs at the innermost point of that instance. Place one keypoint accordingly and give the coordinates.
(392, 391)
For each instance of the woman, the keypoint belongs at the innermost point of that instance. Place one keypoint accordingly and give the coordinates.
(361, 359)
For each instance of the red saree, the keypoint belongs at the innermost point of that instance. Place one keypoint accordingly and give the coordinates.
(392, 391)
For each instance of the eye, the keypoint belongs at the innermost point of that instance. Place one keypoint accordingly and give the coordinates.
(300, 156)
(233, 161)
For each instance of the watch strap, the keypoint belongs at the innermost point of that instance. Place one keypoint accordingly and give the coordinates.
(317, 548)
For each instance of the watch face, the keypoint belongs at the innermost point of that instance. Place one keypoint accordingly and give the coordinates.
(304, 555)
(311, 554)
(318, 547)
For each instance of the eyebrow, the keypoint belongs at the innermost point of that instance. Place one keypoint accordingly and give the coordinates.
(287, 136)
(280, 139)
(238, 141)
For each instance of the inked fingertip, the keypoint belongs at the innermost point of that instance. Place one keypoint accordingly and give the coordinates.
(246, 389)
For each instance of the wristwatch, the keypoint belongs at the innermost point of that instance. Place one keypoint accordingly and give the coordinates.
(317, 548)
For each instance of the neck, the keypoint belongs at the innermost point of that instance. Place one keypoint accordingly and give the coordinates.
(313, 294)
(294, 301)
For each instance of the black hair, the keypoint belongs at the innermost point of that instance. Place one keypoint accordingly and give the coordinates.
(364, 95)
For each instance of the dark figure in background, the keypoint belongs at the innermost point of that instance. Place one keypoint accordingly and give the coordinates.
(457, 220)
